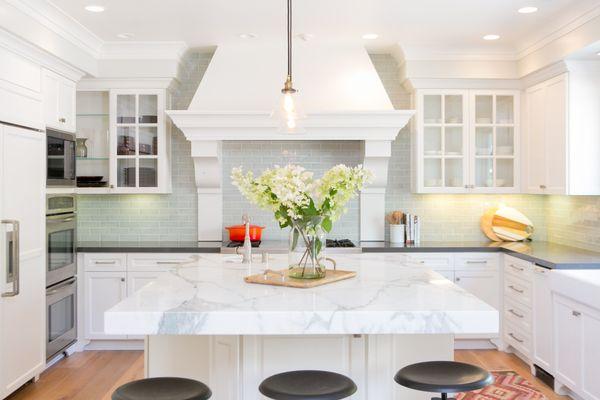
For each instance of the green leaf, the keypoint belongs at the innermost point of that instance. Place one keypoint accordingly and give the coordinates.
(327, 224)
(318, 246)
(295, 236)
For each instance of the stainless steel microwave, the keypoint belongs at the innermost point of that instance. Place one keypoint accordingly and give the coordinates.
(60, 159)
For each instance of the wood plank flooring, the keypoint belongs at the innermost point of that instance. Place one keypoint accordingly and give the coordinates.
(94, 375)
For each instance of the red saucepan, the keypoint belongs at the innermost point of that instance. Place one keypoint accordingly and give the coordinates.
(237, 233)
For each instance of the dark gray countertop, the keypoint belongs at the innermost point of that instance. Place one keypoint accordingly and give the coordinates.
(149, 247)
(549, 255)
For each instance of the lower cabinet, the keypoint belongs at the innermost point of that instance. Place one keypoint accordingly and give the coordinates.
(577, 348)
(542, 353)
(482, 283)
(103, 290)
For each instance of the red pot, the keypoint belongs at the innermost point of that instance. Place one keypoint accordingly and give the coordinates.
(237, 233)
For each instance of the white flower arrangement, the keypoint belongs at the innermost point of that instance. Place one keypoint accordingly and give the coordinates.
(296, 198)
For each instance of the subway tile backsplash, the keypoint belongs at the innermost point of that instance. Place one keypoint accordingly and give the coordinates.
(568, 220)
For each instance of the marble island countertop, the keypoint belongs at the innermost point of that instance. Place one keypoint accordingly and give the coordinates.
(210, 297)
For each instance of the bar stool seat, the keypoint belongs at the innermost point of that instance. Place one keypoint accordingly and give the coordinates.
(443, 377)
(163, 389)
(307, 385)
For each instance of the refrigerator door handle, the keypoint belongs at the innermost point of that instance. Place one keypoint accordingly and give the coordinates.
(15, 257)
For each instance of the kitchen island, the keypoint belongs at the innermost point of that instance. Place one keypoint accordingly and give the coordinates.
(203, 321)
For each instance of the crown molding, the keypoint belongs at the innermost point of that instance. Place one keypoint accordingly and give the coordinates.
(99, 84)
(56, 20)
(143, 50)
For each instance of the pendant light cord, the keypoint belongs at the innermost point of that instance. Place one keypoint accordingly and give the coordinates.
(289, 37)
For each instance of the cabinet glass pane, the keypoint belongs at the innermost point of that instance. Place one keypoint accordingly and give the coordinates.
(148, 140)
(126, 172)
(505, 141)
(453, 109)
(484, 172)
(126, 140)
(453, 140)
(504, 109)
(148, 174)
(484, 141)
(433, 141)
(148, 109)
(126, 109)
(432, 109)
(484, 106)
(454, 172)
(505, 172)
(432, 173)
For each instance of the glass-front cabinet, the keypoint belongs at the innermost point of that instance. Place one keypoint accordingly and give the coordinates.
(465, 141)
(138, 141)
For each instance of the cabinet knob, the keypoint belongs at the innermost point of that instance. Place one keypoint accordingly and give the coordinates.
(62, 120)
(457, 279)
(122, 279)
(542, 186)
(576, 313)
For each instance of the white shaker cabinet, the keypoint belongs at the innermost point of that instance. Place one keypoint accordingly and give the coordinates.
(481, 283)
(466, 141)
(102, 291)
(59, 101)
(543, 352)
(577, 329)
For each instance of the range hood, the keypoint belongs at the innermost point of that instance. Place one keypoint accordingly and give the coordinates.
(339, 90)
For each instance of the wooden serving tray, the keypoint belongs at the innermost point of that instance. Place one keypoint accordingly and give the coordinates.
(281, 278)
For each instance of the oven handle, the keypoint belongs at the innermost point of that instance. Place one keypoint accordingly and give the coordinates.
(59, 219)
(15, 257)
(56, 288)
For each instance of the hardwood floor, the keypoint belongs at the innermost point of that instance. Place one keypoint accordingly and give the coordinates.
(94, 375)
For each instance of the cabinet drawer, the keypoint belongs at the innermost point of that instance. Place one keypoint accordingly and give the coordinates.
(517, 290)
(105, 261)
(517, 338)
(518, 268)
(436, 261)
(518, 315)
(476, 260)
(157, 261)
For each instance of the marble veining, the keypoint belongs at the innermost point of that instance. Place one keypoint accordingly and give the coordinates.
(388, 296)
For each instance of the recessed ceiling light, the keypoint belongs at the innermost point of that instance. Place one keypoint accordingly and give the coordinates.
(527, 10)
(305, 36)
(491, 37)
(247, 35)
(125, 35)
(370, 36)
(94, 8)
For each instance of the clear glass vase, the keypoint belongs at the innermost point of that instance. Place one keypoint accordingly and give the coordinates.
(305, 254)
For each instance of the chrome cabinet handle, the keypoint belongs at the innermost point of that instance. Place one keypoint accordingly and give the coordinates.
(15, 257)
(516, 338)
(516, 290)
(105, 262)
(513, 266)
(576, 313)
(516, 314)
(477, 262)
(174, 262)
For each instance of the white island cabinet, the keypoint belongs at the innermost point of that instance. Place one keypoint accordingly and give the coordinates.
(204, 322)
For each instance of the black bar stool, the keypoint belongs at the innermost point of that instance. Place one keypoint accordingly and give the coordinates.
(162, 389)
(443, 377)
(307, 385)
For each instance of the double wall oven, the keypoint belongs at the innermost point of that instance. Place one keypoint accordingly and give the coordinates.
(61, 270)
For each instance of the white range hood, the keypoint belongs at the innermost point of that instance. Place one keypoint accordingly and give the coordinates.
(342, 98)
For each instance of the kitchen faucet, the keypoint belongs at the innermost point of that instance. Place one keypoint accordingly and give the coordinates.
(247, 248)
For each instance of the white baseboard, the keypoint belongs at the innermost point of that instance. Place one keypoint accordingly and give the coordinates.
(115, 345)
(474, 344)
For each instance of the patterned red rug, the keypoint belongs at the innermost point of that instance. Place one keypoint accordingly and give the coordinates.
(508, 385)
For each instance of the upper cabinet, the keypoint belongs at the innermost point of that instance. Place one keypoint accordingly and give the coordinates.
(562, 140)
(125, 138)
(466, 141)
(59, 101)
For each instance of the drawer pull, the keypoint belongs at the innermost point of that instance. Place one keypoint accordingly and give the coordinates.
(516, 290)
(520, 269)
(62, 120)
(105, 262)
(516, 338)
(477, 262)
(576, 313)
(167, 262)
(516, 314)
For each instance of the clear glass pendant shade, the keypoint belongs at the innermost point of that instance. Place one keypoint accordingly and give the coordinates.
(290, 114)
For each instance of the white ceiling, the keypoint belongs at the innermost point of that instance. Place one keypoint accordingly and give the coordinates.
(455, 26)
